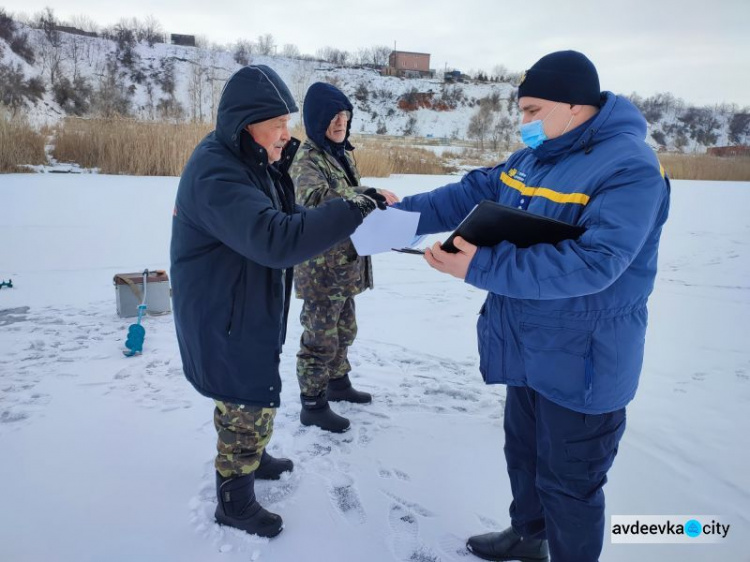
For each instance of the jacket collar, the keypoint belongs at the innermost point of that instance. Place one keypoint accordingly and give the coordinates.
(327, 154)
(257, 156)
(575, 139)
(588, 134)
(287, 156)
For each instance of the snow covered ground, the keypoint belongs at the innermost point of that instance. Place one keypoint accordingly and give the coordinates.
(108, 458)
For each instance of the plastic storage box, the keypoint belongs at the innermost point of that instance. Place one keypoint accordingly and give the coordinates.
(129, 293)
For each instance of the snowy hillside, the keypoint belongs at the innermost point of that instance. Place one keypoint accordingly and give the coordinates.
(60, 74)
(191, 78)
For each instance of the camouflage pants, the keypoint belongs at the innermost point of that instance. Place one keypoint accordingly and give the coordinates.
(244, 431)
(330, 327)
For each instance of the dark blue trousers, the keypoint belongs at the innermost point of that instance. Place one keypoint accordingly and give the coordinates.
(557, 462)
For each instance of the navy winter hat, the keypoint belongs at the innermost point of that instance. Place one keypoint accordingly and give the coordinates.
(252, 94)
(564, 76)
(322, 102)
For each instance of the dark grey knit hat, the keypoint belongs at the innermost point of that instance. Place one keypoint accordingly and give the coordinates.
(564, 76)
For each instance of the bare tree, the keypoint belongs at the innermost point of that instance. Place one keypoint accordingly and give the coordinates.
(152, 31)
(513, 77)
(216, 77)
(381, 54)
(84, 23)
(15, 89)
(501, 133)
(499, 72)
(512, 99)
(124, 35)
(73, 97)
(266, 45)
(242, 52)
(75, 49)
(198, 85)
(301, 81)
(290, 51)
(47, 22)
(410, 129)
(333, 55)
(195, 91)
(7, 26)
(480, 124)
(51, 52)
(112, 97)
(168, 107)
(739, 128)
(324, 53)
(363, 56)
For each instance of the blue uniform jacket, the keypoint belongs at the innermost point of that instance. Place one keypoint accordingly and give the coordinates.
(568, 321)
(236, 233)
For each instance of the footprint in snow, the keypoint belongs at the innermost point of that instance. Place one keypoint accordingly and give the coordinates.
(345, 498)
(405, 541)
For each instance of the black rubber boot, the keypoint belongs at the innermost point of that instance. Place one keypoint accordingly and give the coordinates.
(316, 411)
(341, 390)
(238, 508)
(271, 468)
(508, 545)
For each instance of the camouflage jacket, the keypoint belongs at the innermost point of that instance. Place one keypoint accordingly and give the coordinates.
(339, 271)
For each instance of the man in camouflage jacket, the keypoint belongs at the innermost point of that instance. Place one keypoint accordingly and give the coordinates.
(323, 170)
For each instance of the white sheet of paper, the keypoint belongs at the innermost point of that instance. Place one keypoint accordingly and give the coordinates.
(383, 230)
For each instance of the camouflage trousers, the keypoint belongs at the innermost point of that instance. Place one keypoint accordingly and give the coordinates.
(244, 431)
(329, 328)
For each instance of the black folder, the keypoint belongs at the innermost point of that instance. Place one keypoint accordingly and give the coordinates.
(490, 223)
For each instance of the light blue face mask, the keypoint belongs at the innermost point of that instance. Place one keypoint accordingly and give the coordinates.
(532, 134)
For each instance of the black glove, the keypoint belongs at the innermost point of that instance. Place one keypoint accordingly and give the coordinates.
(368, 201)
(375, 195)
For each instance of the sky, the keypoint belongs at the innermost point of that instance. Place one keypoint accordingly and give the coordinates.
(698, 51)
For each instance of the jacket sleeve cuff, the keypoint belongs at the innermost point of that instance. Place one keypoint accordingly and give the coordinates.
(479, 266)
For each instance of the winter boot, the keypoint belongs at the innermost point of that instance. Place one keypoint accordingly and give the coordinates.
(316, 411)
(508, 545)
(271, 468)
(238, 508)
(341, 390)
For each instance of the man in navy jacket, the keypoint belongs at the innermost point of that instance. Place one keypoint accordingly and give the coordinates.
(563, 325)
(236, 235)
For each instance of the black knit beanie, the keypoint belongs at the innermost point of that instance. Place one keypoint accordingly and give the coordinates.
(564, 76)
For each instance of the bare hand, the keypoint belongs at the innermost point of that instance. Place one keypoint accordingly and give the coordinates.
(453, 264)
(390, 197)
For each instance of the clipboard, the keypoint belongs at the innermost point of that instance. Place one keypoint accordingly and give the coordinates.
(490, 223)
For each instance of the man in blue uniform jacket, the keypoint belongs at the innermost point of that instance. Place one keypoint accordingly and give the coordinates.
(563, 325)
(236, 235)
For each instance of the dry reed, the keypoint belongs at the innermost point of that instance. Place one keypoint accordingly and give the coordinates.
(379, 159)
(20, 146)
(121, 146)
(705, 167)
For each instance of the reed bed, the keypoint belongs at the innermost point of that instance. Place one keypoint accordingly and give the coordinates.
(121, 146)
(705, 167)
(20, 146)
(381, 159)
